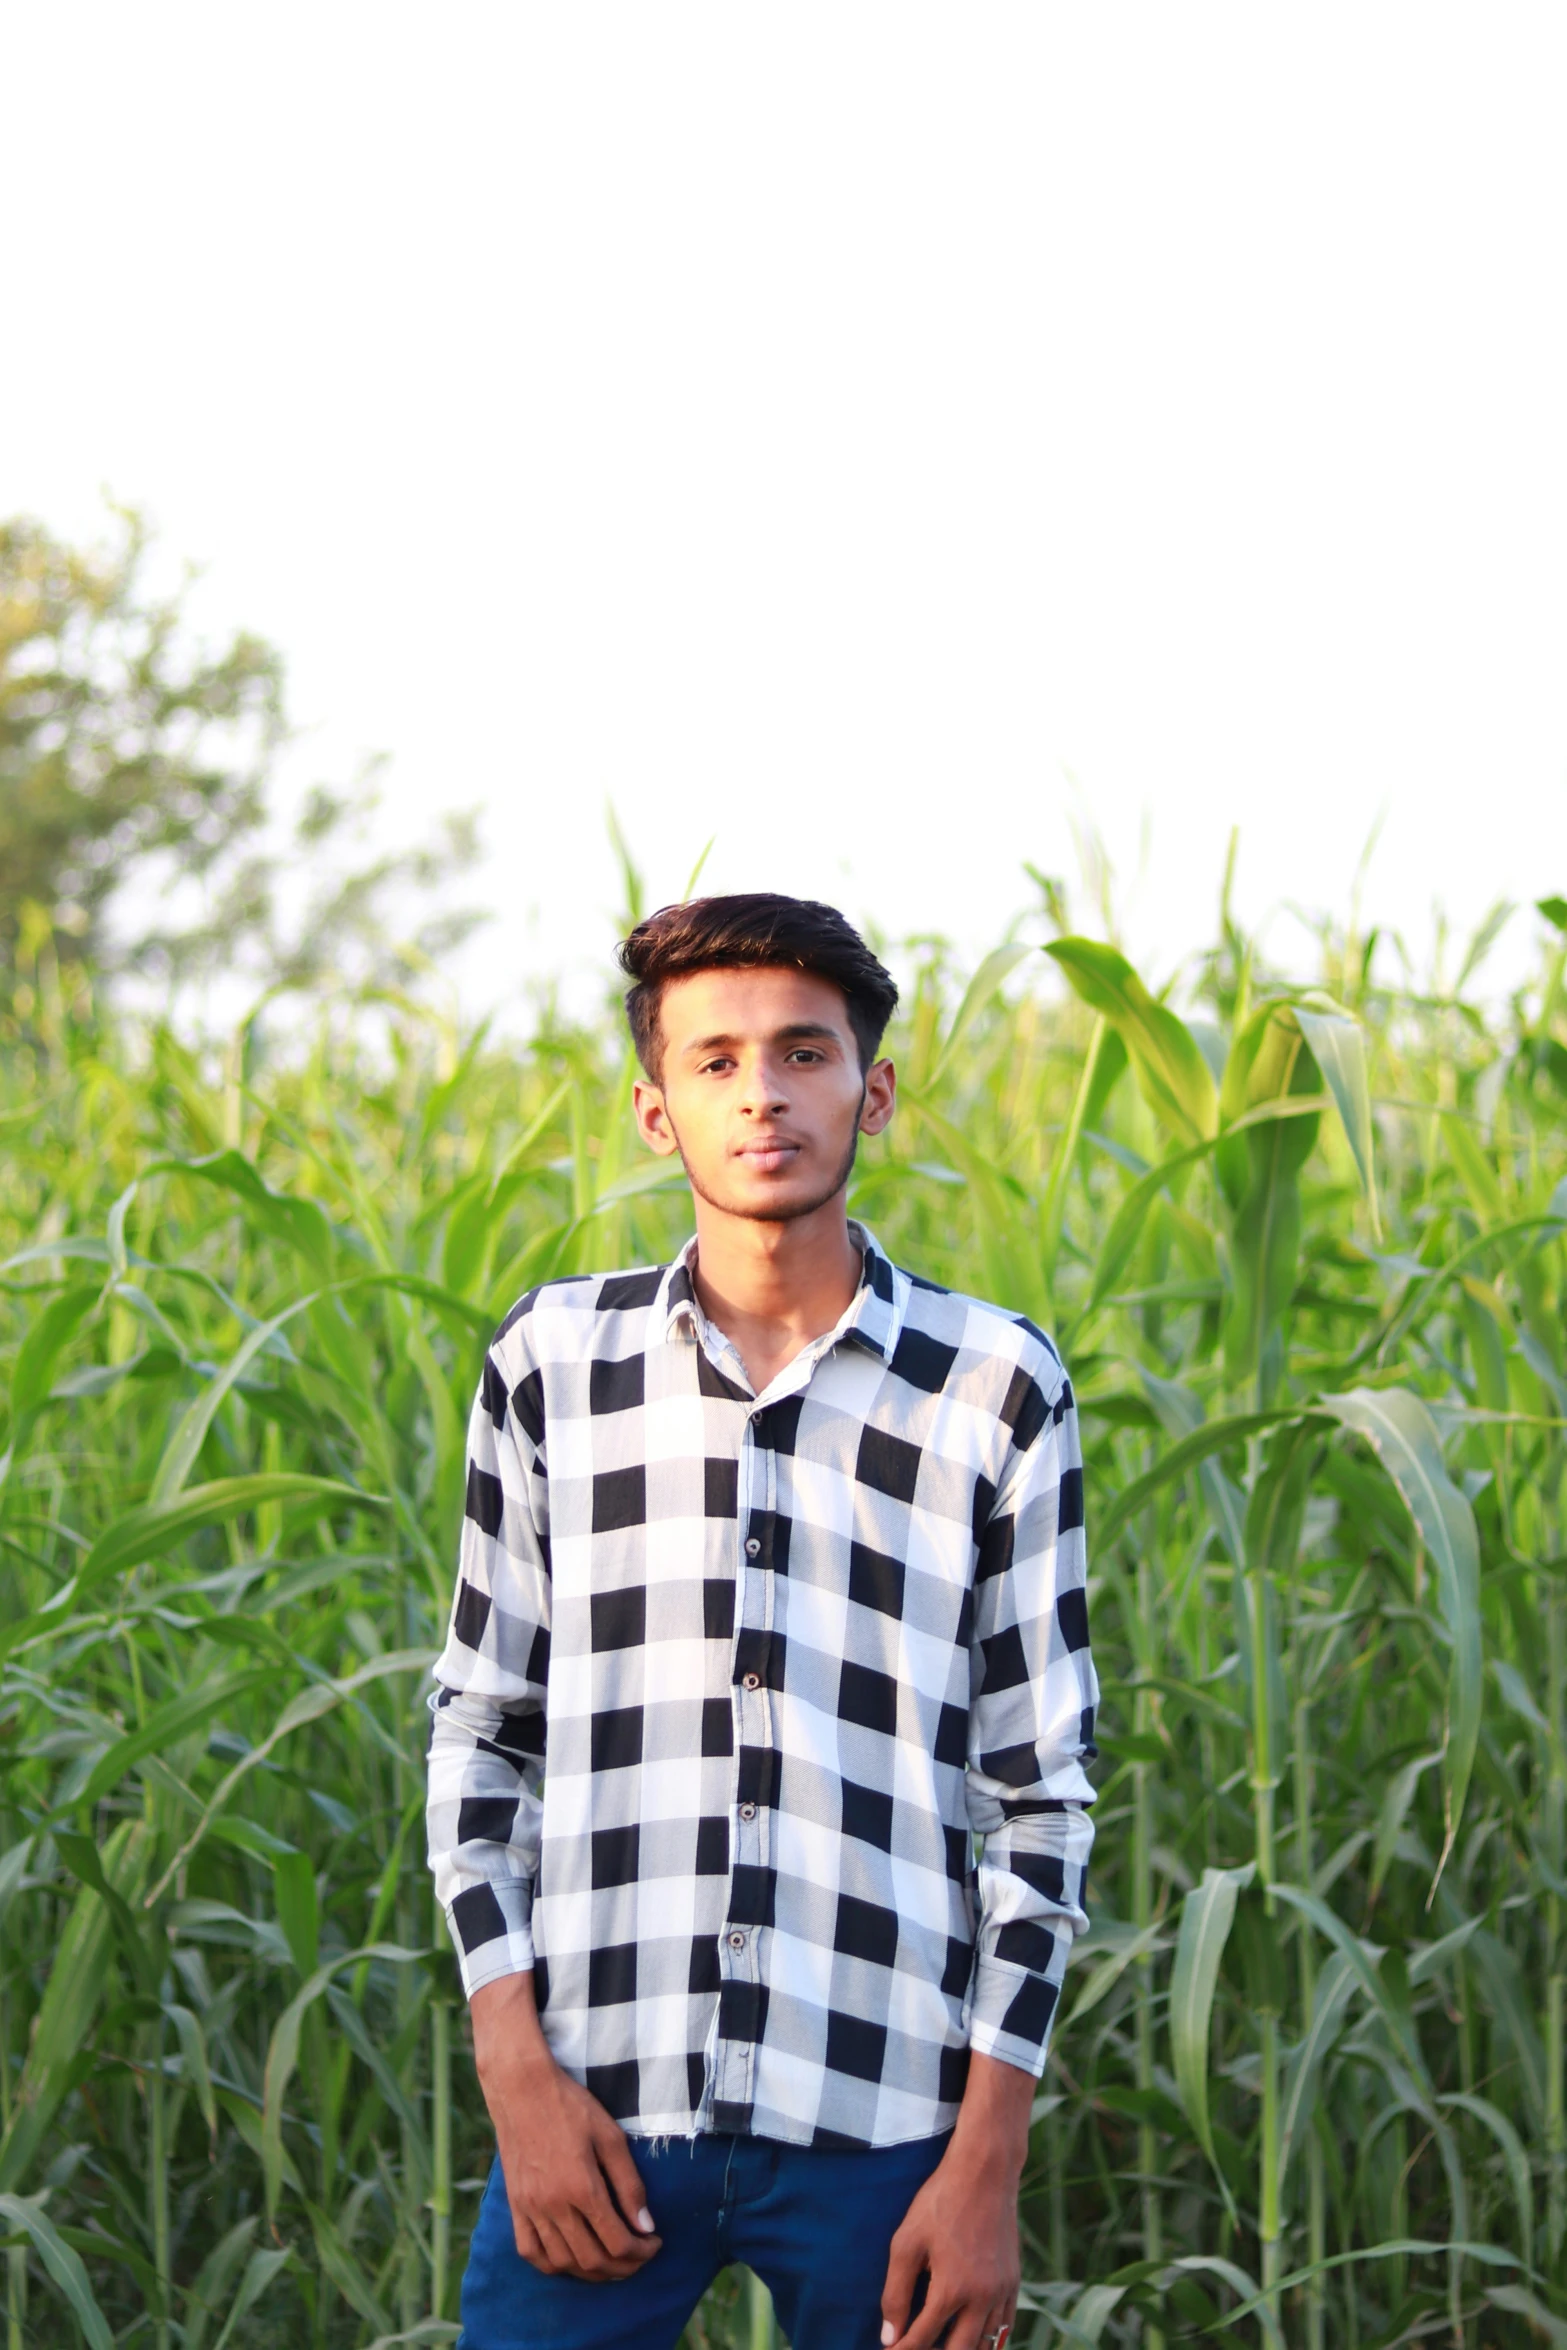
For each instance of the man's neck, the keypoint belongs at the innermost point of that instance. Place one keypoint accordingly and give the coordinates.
(773, 1287)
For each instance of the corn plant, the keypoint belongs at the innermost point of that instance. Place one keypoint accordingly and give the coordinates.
(1303, 1248)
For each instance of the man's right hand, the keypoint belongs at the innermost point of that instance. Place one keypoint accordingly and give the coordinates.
(577, 2203)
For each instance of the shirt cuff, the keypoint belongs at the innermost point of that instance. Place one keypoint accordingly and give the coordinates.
(491, 1927)
(1011, 2014)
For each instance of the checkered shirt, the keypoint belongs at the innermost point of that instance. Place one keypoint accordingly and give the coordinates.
(792, 1652)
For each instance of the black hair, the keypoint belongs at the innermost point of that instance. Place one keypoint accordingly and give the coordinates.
(750, 931)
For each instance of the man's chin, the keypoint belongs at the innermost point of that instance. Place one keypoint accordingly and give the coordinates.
(772, 1199)
(762, 1202)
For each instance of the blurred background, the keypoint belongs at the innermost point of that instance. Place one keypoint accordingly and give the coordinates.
(889, 446)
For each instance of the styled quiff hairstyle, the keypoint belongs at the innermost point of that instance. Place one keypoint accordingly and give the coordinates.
(752, 931)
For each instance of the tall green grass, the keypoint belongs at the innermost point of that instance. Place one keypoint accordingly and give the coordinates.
(1305, 1253)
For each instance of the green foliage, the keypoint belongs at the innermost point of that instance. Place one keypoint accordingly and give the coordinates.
(116, 743)
(1307, 1264)
(131, 754)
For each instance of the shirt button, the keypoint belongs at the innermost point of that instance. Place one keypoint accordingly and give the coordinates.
(753, 1548)
(737, 1941)
(752, 1681)
(748, 1811)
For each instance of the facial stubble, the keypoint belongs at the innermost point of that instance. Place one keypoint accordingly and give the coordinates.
(782, 1214)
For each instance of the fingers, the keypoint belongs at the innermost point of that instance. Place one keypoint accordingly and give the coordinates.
(620, 2242)
(953, 2322)
(554, 2252)
(930, 2326)
(905, 2260)
(526, 2237)
(580, 2234)
(588, 2256)
(971, 2331)
(625, 2179)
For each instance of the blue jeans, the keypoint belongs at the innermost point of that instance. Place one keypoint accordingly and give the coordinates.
(814, 2224)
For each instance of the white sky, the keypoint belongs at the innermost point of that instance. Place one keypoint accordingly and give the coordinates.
(869, 433)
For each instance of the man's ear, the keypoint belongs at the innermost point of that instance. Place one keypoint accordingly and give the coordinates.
(881, 1097)
(652, 1116)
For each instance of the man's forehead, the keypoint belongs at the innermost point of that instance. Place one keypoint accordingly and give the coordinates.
(749, 1002)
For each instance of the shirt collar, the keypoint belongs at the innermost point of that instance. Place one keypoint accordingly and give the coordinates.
(873, 1318)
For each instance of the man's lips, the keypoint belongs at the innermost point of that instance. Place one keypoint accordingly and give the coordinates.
(766, 1157)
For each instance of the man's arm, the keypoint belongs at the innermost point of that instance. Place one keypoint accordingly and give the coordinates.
(566, 2162)
(577, 2206)
(1030, 1730)
(484, 1805)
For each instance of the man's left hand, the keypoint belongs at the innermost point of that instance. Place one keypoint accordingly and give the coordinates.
(960, 2231)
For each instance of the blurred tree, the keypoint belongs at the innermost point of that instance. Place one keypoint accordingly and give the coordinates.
(135, 779)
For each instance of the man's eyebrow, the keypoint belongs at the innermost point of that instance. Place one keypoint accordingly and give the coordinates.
(795, 1032)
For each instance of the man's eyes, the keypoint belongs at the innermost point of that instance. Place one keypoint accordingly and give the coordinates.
(722, 1063)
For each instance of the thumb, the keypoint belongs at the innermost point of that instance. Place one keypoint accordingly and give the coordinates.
(904, 2263)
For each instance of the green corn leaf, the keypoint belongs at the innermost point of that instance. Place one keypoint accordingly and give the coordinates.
(298, 1908)
(1475, 1171)
(1354, 1953)
(1518, 2301)
(1336, 1987)
(1506, 2001)
(13, 1868)
(114, 1232)
(300, 1224)
(1128, 1947)
(1338, 1046)
(338, 2262)
(48, 1336)
(1393, 1812)
(207, 2296)
(1436, 1955)
(149, 1532)
(1180, 1414)
(357, 2033)
(1394, 2248)
(142, 1943)
(1403, 1435)
(1212, 1437)
(283, 2052)
(1126, 1226)
(261, 2270)
(1207, 1914)
(1269, 1134)
(191, 1428)
(26, 2214)
(1064, 1156)
(78, 1979)
(1252, 2302)
(1520, 2176)
(165, 1726)
(195, 2062)
(1091, 2312)
(992, 975)
(1174, 1077)
(321, 1698)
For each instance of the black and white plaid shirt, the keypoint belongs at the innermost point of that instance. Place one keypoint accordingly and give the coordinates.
(792, 1651)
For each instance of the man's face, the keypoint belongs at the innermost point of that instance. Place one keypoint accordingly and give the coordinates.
(760, 1091)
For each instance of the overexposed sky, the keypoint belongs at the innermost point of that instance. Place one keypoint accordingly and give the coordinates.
(875, 435)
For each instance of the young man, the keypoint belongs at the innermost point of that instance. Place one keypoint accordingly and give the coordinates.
(781, 1549)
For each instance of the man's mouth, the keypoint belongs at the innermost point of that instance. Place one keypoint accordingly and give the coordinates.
(768, 1157)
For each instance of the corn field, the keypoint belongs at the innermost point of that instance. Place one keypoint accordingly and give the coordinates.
(1304, 1250)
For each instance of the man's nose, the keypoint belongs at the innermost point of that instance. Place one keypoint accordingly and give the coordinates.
(764, 1089)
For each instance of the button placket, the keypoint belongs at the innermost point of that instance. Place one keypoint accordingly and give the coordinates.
(749, 1838)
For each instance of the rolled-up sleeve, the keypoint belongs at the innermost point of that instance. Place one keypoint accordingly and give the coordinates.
(1031, 1727)
(487, 1740)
